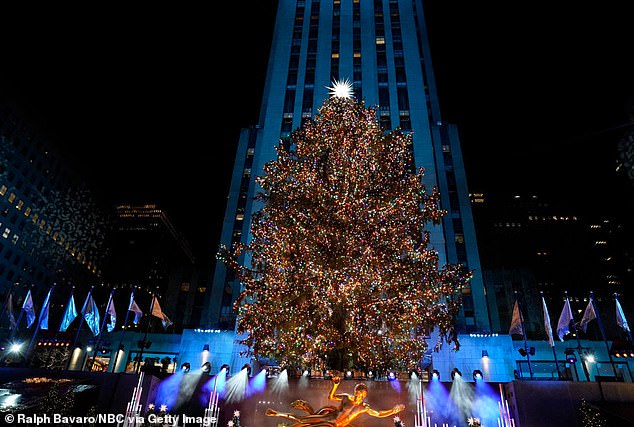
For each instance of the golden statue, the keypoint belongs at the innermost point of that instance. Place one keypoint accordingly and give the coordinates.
(350, 407)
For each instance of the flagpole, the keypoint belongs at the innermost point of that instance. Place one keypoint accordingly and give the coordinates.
(6, 304)
(551, 339)
(600, 323)
(579, 348)
(81, 323)
(123, 330)
(45, 306)
(103, 323)
(147, 329)
(50, 351)
(627, 328)
(17, 323)
(528, 356)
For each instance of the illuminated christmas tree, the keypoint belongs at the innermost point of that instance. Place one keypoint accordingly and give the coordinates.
(339, 270)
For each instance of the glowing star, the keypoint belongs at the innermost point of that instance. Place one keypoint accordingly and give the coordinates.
(163, 408)
(236, 413)
(341, 89)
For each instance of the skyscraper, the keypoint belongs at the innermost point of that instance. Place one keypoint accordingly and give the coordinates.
(381, 47)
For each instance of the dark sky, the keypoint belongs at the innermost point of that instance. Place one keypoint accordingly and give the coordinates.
(150, 100)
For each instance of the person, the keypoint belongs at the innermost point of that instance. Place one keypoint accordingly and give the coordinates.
(349, 409)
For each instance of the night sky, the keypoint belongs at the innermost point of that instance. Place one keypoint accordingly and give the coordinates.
(149, 101)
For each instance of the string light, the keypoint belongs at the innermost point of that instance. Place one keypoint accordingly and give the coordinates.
(339, 255)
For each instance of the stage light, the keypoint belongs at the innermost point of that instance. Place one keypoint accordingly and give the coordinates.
(206, 367)
(247, 366)
(455, 372)
(185, 367)
(370, 375)
(206, 347)
(15, 348)
(485, 353)
(348, 375)
(391, 376)
(523, 352)
(435, 374)
(570, 355)
(226, 367)
(477, 375)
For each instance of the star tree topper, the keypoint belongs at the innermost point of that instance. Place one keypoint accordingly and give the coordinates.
(340, 89)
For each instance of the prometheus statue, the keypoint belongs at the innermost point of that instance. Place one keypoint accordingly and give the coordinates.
(350, 407)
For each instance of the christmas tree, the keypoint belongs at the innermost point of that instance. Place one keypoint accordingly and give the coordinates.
(590, 415)
(339, 270)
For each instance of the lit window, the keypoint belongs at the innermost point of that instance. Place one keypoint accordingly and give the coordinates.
(6, 233)
(335, 55)
(380, 40)
(184, 287)
(11, 197)
(15, 239)
(19, 205)
(27, 211)
(3, 190)
(240, 217)
(202, 289)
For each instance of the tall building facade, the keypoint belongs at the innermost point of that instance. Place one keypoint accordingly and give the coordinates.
(538, 245)
(151, 255)
(381, 47)
(52, 231)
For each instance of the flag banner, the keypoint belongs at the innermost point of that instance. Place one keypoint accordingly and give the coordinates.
(44, 311)
(563, 325)
(113, 315)
(10, 313)
(69, 314)
(135, 308)
(91, 314)
(29, 309)
(620, 317)
(547, 325)
(516, 321)
(588, 316)
(157, 312)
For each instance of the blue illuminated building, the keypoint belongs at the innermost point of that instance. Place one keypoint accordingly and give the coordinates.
(382, 48)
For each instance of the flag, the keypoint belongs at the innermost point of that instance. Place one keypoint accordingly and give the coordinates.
(135, 308)
(547, 326)
(91, 314)
(563, 325)
(43, 324)
(69, 314)
(156, 311)
(11, 315)
(588, 315)
(620, 317)
(516, 321)
(113, 315)
(28, 308)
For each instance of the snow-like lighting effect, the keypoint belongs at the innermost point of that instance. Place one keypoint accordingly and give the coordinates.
(236, 386)
(281, 383)
(340, 89)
